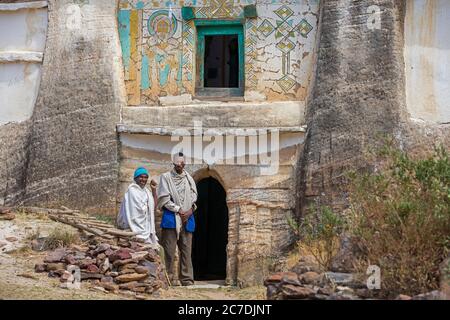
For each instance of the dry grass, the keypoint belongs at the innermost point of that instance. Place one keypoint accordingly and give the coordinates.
(401, 218)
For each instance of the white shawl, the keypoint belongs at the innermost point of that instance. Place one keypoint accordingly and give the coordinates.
(137, 213)
(170, 197)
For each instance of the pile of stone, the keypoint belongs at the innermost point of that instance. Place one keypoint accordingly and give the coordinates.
(314, 286)
(306, 281)
(6, 214)
(127, 266)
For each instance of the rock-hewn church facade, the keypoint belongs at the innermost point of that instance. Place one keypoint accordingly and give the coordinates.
(270, 101)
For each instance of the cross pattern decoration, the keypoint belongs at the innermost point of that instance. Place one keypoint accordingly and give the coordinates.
(285, 31)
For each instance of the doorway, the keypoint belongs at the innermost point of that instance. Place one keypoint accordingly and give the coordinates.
(209, 254)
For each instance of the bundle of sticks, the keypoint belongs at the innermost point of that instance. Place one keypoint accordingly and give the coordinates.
(82, 222)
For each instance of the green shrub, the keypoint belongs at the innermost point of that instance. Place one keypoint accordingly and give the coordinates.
(400, 215)
(319, 234)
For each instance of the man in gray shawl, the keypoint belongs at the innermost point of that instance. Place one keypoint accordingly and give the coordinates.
(177, 194)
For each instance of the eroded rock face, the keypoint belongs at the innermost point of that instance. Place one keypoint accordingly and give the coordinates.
(73, 124)
(355, 98)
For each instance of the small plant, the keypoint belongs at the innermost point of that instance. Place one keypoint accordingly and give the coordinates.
(319, 234)
(60, 237)
(105, 218)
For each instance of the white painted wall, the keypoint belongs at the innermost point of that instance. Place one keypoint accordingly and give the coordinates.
(22, 32)
(427, 59)
(18, 89)
(165, 144)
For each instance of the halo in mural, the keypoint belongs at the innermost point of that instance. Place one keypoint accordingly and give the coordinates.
(162, 24)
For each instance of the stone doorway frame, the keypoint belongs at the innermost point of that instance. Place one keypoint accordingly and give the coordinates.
(233, 223)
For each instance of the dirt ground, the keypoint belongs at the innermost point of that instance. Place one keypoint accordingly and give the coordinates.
(18, 280)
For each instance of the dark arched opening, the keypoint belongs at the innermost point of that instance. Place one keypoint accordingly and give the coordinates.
(209, 255)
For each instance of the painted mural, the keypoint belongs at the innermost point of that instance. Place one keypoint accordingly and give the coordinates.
(158, 46)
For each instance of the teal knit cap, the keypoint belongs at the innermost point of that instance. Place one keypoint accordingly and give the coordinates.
(140, 171)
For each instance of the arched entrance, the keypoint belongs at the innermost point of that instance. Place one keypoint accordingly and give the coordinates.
(209, 255)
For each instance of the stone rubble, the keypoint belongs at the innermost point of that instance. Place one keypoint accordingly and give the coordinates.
(129, 266)
(301, 283)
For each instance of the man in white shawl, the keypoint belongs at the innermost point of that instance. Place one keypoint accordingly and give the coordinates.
(137, 211)
(177, 194)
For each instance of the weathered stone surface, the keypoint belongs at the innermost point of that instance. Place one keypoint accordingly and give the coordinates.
(66, 131)
(11, 239)
(121, 254)
(141, 270)
(129, 286)
(14, 152)
(151, 267)
(290, 278)
(139, 255)
(70, 259)
(110, 286)
(102, 248)
(130, 277)
(40, 267)
(127, 271)
(92, 268)
(128, 266)
(290, 291)
(339, 278)
(107, 279)
(310, 278)
(86, 262)
(89, 275)
(105, 266)
(55, 256)
(355, 98)
(55, 266)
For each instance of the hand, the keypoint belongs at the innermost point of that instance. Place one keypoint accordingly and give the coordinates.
(153, 184)
(184, 215)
